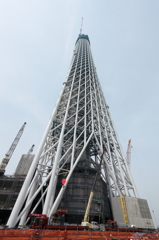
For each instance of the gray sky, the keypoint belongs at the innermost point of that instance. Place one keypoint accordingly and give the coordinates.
(36, 44)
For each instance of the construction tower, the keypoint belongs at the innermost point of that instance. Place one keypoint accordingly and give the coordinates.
(9, 154)
(78, 132)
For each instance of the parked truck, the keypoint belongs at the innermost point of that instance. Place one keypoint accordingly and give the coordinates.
(41, 221)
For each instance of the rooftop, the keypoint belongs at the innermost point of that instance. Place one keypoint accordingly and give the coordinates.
(84, 37)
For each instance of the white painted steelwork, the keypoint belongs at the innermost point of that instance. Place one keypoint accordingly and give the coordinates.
(81, 121)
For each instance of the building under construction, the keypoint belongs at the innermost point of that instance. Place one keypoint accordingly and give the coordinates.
(10, 186)
(79, 154)
(77, 193)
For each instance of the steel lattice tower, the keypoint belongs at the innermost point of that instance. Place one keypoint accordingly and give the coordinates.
(80, 125)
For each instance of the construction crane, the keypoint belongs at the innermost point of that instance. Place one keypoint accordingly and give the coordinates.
(128, 153)
(81, 26)
(31, 150)
(85, 221)
(8, 155)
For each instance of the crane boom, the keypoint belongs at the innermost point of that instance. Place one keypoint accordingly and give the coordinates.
(8, 155)
(81, 26)
(31, 150)
(85, 221)
(128, 153)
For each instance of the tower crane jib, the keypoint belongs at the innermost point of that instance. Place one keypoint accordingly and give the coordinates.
(128, 153)
(9, 154)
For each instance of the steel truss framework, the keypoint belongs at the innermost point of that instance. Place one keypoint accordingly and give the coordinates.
(80, 121)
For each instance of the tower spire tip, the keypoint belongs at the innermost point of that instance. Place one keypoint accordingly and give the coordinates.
(81, 26)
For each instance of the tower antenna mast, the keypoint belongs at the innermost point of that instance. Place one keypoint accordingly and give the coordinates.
(81, 26)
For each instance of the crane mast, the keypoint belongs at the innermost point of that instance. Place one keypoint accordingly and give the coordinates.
(85, 221)
(8, 155)
(81, 26)
(31, 149)
(128, 153)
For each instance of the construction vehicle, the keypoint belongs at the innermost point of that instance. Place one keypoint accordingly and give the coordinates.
(38, 221)
(8, 155)
(41, 221)
(85, 223)
(113, 226)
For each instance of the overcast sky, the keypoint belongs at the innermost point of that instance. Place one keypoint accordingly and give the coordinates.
(37, 39)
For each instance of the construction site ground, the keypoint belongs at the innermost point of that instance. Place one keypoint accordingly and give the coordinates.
(38, 234)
